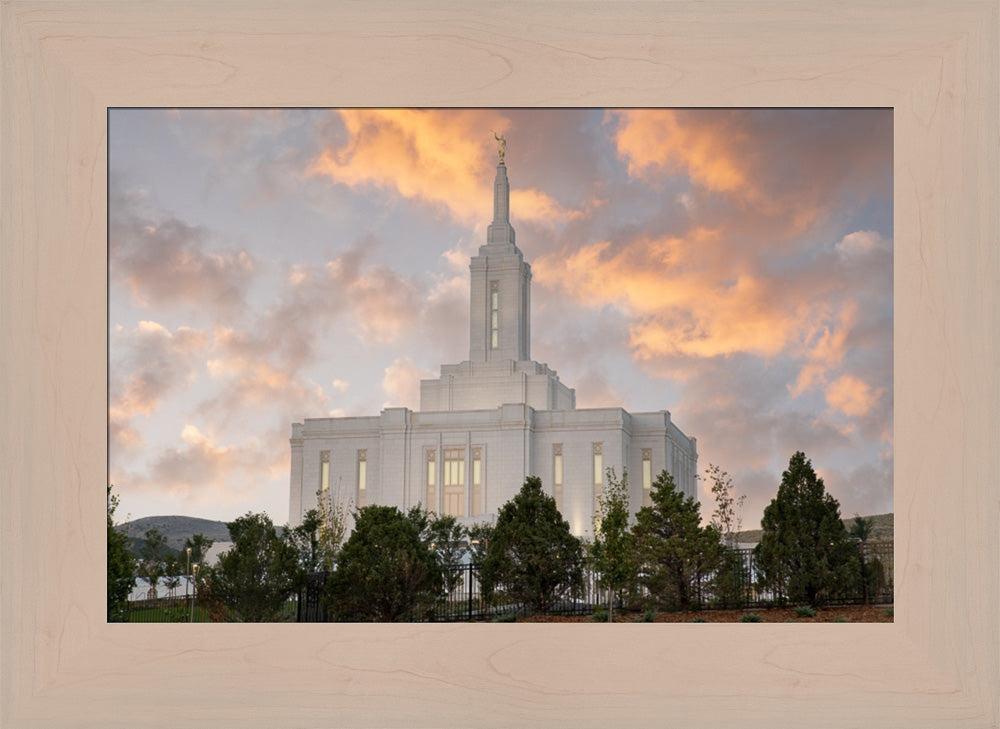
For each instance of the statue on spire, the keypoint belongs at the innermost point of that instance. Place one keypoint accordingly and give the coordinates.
(502, 145)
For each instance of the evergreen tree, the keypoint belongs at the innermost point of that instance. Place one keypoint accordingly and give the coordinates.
(256, 577)
(384, 571)
(121, 566)
(804, 552)
(675, 550)
(533, 558)
(446, 539)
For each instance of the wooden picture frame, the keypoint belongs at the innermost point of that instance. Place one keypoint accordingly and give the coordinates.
(64, 63)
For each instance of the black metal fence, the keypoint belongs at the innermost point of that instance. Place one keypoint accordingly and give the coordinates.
(187, 609)
(736, 584)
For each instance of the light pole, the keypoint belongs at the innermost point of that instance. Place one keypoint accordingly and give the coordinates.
(194, 593)
(187, 575)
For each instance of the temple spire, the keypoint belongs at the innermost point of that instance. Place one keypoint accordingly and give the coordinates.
(500, 230)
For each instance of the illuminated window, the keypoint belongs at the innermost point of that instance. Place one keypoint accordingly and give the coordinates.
(362, 478)
(431, 480)
(557, 474)
(324, 470)
(598, 474)
(454, 482)
(647, 476)
(477, 481)
(494, 314)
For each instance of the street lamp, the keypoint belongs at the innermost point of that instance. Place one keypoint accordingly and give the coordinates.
(195, 591)
(187, 576)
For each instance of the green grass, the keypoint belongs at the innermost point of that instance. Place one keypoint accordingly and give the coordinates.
(177, 614)
(841, 619)
(697, 620)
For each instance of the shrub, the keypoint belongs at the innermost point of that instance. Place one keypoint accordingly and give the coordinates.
(804, 611)
(841, 619)
(385, 572)
(750, 618)
(506, 618)
(532, 559)
(254, 578)
(600, 614)
(700, 620)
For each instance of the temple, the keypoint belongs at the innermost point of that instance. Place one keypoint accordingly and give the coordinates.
(489, 422)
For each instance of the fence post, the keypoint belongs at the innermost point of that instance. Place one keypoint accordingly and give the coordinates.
(470, 590)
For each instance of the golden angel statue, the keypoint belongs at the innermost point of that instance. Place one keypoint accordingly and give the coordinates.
(502, 142)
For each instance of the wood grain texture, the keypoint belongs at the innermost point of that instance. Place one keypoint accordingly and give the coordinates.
(64, 63)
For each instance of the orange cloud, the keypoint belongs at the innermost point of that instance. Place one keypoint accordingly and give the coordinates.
(401, 383)
(441, 157)
(671, 141)
(203, 469)
(680, 305)
(159, 361)
(385, 305)
(851, 396)
(825, 349)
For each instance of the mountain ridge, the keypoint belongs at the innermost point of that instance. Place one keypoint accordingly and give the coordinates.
(175, 528)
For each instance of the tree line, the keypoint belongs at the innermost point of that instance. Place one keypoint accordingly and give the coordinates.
(394, 564)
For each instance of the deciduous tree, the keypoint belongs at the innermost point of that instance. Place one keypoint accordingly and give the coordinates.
(199, 545)
(121, 565)
(613, 552)
(153, 558)
(727, 517)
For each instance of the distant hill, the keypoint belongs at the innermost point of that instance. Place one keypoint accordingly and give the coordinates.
(175, 528)
(882, 530)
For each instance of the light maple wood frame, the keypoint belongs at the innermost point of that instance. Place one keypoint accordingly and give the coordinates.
(64, 63)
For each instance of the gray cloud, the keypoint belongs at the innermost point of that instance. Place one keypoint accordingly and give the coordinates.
(166, 262)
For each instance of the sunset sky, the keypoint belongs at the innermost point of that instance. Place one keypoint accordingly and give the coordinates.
(731, 266)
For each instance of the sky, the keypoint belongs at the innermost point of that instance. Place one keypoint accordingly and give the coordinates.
(732, 266)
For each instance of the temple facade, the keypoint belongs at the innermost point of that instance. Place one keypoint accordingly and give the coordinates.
(489, 422)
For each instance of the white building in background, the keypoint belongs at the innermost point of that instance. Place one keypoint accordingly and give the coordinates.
(487, 423)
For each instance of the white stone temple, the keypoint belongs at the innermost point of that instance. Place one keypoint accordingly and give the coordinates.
(487, 423)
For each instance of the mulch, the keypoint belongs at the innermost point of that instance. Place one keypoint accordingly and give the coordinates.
(840, 613)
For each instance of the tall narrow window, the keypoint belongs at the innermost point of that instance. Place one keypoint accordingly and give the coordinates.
(647, 476)
(431, 480)
(454, 482)
(494, 314)
(324, 470)
(598, 474)
(362, 478)
(477, 481)
(557, 474)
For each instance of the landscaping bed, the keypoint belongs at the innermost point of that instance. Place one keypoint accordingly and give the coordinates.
(834, 614)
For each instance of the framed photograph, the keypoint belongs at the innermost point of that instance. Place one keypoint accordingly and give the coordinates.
(934, 66)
